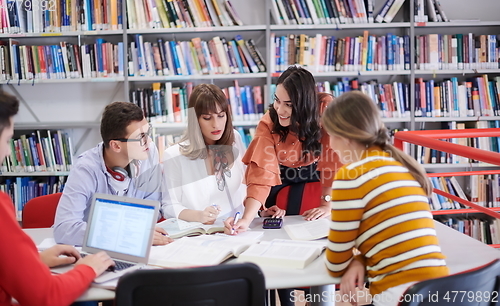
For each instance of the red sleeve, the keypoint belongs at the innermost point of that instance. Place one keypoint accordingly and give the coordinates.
(263, 170)
(328, 162)
(24, 276)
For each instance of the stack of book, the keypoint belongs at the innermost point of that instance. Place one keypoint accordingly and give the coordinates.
(429, 10)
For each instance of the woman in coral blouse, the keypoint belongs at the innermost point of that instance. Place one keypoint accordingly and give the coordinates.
(289, 150)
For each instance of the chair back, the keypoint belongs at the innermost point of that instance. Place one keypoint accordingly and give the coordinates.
(227, 284)
(479, 287)
(40, 212)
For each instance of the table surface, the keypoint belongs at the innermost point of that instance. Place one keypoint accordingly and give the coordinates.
(462, 253)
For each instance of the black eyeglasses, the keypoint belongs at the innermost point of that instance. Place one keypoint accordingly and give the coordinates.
(143, 140)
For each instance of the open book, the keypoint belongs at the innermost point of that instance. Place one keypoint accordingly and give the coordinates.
(283, 253)
(310, 230)
(177, 228)
(205, 250)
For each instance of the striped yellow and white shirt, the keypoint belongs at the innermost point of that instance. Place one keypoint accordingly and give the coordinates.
(379, 208)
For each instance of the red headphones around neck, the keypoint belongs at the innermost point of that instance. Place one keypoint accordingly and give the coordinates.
(118, 173)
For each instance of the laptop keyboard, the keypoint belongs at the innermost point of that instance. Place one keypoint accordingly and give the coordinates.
(119, 265)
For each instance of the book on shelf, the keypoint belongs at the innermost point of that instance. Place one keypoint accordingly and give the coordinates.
(283, 253)
(314, 12)
(165, 103)
(429, 10)
(177, 228)
(102, 15)
(322, 53)
(310, 230)
(33, 153)
(205, 250)
(484, 229)
(194, 57)
(23, 189)
(60, 61)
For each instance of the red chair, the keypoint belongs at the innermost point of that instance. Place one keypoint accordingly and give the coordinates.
(40, 212)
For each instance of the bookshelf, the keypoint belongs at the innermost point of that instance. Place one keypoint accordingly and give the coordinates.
(76, 103)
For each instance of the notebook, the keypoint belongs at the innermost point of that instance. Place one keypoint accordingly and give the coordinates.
(123, 227)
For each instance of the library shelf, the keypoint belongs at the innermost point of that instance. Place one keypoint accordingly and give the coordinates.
(387, 120)
(459, 211)
(62, 34)
(458, 23)
(353, 73)
(445, 119)
(448, 166)
(198, 29)
(70, 80)
(39, 173)
(260, 75)
(54, 125)
(341, 26)
(456, 71)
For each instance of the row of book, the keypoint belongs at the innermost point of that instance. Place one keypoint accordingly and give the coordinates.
(168, 103)
(483, 229)
(91, 15)
(194, 57)
(322, 53)
(449, 185)
(342, 11)
(367, 52)
(431, 156)
(429, 10)
(63, 61)
(457, 51)
(37, 153)
(478, 96)
(105, 59)
(181, 14)
(23, 189)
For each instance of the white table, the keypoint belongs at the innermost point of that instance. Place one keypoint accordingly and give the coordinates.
(462, 253)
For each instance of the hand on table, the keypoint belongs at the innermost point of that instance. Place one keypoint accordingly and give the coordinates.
(52, 256)
(161, 237)
(233, 229)
(317, 213)
(273, 211)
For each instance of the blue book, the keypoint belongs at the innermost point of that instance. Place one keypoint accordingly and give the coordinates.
(177, 64)
(456, 109)
(243, 136)
(55, 61)
(406, 49)
(34, 153)
(283, 63)
(239, 63)
(250, 102)
(389, 52)
(120, 59)
(333, 44)
(244, 104)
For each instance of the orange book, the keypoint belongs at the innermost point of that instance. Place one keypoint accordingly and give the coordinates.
(203, 17)
(437, 101)
(114, 14)
(364, 50)
(43, 65)
(204, 10)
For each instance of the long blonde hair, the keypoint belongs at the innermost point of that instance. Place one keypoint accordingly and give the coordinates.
(354, 116)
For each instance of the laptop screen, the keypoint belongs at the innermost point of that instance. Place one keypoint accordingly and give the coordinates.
(120, 227)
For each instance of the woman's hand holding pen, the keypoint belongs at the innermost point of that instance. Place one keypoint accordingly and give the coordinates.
(234, 226)
(160, 236)
(273, 211)
(209, 214)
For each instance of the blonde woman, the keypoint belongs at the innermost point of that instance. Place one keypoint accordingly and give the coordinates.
(204, 172)
(379, 206)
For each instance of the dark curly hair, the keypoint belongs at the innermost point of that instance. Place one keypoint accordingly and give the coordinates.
(304, 121)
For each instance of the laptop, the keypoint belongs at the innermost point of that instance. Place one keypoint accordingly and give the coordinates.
(123, 227)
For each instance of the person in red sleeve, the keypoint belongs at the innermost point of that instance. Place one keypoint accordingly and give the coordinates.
(24, 273)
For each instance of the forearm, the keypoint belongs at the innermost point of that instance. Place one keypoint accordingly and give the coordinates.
(190, 215)
(252, 206)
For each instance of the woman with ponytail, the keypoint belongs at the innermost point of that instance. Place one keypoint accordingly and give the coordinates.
(379, 206)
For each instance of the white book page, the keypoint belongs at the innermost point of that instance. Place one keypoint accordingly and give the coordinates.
(310, 230)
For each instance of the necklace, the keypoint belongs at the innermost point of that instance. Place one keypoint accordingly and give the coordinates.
(221, 168)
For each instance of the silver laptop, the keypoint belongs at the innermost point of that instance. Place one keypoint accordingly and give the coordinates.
(123, 227)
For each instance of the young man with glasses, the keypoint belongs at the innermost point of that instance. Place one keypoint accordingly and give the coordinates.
(125, 163)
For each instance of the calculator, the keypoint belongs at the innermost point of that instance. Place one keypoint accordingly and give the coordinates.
(270, 223)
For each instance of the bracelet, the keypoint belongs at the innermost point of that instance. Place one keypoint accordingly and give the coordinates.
(258, 213)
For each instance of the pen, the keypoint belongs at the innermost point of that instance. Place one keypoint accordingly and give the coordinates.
(236, 218)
